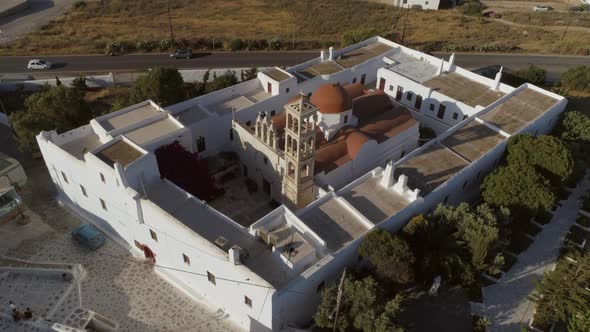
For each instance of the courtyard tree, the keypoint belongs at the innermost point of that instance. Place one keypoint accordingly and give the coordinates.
(563, 292)
(520, 188)
(547, 154)
(390, 256)
(186, 170)
(54, 108)
(532, 74)
(575, 127)
(364, 306)
(223, 81)
(162, 85)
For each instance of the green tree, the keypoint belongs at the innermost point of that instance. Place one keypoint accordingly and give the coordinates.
(577, 78)
(363, 306)
(548, 154)
(162, 85)
(479, 230)
(472, 8)
(579, 322)
(79, 83)
(390, 255)
(519, 187)
(60, 108)
(250, 74)
(575, 127)
(563, 292)
(223, 81)
(532, 74)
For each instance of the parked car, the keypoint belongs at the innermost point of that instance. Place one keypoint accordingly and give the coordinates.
(88, 236)
(182, 54)
(38, 64)
(542, 8)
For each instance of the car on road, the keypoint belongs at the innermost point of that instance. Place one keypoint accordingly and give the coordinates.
(492, 14)
(88, 236)
(182, 54)
(542, 8)
(38, 64)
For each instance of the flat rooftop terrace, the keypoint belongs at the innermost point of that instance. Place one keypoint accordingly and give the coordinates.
(119, 152)
(237, 102)
(334, 223)
(128, 118)
(463, 89)
(473, 140)
(322, 68)
(277, 74)
(362, 54)
(152, 131)
(412, 68)
(373, 201)
(78, 147)
(519, 110)
(212, 226)
(431, 168)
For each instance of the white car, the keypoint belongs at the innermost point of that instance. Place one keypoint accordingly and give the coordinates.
(542, 8)
(38, 64)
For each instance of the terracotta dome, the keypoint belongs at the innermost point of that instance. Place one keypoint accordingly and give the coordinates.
(331, 99)
(354, 90)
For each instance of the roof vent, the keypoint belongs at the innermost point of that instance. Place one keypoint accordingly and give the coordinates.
(221, 241)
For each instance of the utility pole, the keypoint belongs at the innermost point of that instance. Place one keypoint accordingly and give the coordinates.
(568, 22)
(405, 24)
(170, 20)
(338, 299)
(293, 39)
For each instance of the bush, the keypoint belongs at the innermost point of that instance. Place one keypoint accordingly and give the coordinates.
(577, 78)
(164, 86)
(236, 44)
(532, 74)
(166, 44)
(275, 43)
(79, 83)
(115, 48)
(473, 8)
(79, 5)
(146, 45)
(257, 44)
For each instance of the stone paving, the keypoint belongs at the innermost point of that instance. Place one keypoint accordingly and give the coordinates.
(116, 285)
(506, 303)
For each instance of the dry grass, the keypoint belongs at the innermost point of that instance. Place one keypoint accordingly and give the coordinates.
(315, 24)
(548, 18)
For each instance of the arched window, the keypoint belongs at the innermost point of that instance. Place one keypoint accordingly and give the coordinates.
(294, 146)
(271, 138)
(306, 170)
(264, 132)
(291, 170)
(288, 145)
(295, 126)
(289, 121)
(258, 131)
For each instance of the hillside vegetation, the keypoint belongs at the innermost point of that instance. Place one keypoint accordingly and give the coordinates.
(305, 24)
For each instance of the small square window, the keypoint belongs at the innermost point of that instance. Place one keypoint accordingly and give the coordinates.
(455, 116)
(431, 107)
(273, 112)
(391, 88)
(265, 161)
(102, 178)
(63, 175)
(211, 278)
(103, 204)
(154, 235)
(186, 260)
(248, 301)
(287, 90)
(83, 190)
(138, 245)
(409, 96)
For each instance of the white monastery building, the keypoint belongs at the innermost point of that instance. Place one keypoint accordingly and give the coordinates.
(308, 160)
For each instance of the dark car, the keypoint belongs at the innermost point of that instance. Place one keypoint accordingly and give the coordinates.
(182, 54)
(88, 236)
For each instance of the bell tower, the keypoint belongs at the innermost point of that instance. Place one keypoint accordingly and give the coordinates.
(298, 182)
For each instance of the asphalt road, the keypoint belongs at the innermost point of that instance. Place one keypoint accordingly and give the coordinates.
(99, 63)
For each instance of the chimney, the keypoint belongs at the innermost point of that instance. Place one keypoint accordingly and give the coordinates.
(498, 79)
(322, 55)
(451, 61)
(440, 68)
(331, 53)
(387, 179)
(402, 184)
(234, 255)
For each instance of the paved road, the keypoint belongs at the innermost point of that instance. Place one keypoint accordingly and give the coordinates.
(99, 63)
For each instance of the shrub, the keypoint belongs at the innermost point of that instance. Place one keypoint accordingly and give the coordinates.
(79, 83)
(473, 8)
(274, 43)
(162, 85)
(146, 45)
(79, 5)
(115, 48)
(199, 43)
(577, 78)
(236, 44)
(532, 74)
(257, 44)
(166, 44)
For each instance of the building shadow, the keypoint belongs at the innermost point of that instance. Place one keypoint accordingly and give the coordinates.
(35, 6)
